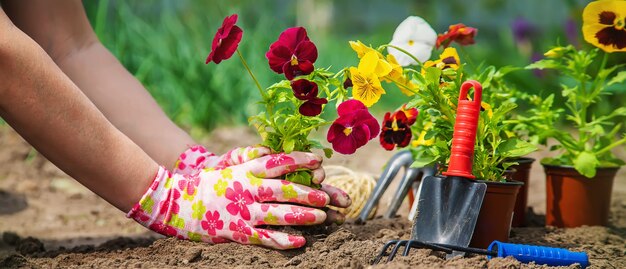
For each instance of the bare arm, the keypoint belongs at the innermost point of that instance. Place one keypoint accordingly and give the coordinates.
(62, 29)
(53, 115)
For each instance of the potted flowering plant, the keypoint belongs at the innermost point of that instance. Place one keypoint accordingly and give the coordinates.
(429, 114)
(580, 178)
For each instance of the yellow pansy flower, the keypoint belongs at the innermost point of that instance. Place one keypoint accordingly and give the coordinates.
(366, 84)
(397, 76)
(421, 141)
(604, 25)
(360, 48)
(487, 107)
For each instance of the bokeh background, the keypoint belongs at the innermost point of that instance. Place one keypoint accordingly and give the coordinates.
(164, 43)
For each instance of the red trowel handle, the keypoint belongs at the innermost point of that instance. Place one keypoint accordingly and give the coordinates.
(464, 135)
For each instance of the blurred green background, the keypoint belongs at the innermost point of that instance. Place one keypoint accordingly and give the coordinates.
(164, 43)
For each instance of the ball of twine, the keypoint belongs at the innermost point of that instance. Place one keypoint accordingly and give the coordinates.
(358, 185)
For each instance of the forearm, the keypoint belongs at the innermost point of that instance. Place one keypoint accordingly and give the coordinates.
(62, 29)
(52, 114)
(125, 102)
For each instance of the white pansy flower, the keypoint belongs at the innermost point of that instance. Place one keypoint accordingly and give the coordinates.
(415, 36)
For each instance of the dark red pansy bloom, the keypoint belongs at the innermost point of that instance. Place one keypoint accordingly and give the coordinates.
(347, 83)
(354, 127)
(464, 35)
(304, 89)
(292, 54)
(225, 41)
(396, 130)
(312, 107)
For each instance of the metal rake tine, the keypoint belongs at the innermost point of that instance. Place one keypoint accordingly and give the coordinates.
(432, 246)
(410, 176)
(384, 251)
(397, 161)
(395, 249)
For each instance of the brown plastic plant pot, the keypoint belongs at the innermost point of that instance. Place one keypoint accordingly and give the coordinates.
(522, 174)
(573, 200)
(496, 213)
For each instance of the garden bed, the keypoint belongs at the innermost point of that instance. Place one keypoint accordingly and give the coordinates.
(71, 227)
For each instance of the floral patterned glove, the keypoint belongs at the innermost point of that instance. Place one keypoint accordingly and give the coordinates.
(225, 205)
(197, 158)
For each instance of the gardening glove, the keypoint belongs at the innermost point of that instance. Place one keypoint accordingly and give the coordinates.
(218, 206)
(197, 158)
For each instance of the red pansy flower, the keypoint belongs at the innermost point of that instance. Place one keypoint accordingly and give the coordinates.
(464, 35)
(396, 128)
(313, 107)
(304, 89)
(225, 41)
(292, 54)
(354, 127)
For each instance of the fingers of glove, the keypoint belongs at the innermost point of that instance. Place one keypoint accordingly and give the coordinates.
(243, 233)
(242, 155)
(284, 214)
(275, 190)
(275, 165)
(338, 197)
(278, 240)
(333, 216)
(318, 175)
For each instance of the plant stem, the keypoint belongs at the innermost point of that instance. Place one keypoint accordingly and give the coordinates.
(609, 147)
(403, 51)
(258, 85)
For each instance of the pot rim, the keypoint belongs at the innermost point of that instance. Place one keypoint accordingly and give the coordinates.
(522, 160)
(572, 167)
(507, 183)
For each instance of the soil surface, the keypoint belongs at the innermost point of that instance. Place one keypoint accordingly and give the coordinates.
(48, 220)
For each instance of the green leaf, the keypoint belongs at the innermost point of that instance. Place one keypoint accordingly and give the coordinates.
(328, 152)
(586, 163)
(514, 147)
(288, 145)
(300, 177)
(543, 64)
(619, 78)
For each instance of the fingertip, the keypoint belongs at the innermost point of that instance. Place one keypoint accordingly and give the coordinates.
(338, 197)
(335, 217)
(318, 175)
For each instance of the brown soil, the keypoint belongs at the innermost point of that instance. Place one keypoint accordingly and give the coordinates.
(49, 220)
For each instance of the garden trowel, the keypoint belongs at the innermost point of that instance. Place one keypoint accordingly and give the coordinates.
(448, 205)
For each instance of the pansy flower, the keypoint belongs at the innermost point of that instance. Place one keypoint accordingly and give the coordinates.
(397, 76)
(396, 128)
(449, 58)
(458, 33)
(366, 85)
(225, 41)
(415, 36)
(312, 107)
(354, 127)
(292, 54)
(604, 25)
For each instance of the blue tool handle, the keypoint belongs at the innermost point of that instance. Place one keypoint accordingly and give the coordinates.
(539, 254)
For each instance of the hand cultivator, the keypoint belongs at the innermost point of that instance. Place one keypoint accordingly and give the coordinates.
(523, 253)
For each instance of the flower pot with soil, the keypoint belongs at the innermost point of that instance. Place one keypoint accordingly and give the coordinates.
(573, 200)
(579, 179)
(521, 174)
(496, 213)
